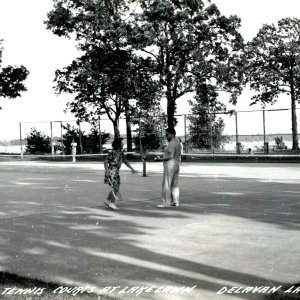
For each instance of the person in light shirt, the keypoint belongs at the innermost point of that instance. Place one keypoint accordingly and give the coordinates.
(171, 163)
(181, 145)
(74, 150)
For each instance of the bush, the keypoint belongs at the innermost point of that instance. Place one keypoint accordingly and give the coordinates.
(37, 142)
(90, 141)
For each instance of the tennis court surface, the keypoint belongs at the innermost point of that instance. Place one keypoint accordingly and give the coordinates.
(237, 226)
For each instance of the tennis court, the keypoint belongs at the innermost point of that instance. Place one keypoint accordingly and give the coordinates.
(237, 226)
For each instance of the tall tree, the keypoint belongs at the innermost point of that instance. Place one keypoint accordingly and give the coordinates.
(273, 65)
(206, 129)
(151, 128)
(189, 41)
(11, 79)
(105, 82)
(107, 76)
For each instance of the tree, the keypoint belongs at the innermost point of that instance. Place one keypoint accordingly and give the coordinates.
(90, 141)
(108, 75)
(11, 79)
(189, 42)
(37, 142)
(151, 128)
(104, 82)
(206, 130)
(273, 65)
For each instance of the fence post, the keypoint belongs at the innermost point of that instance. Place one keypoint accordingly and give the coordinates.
(100, 141)
(52, 146)
(238, 145)
(62, 139)
(264, 126)
(143, 154)
(185, 141)
(266, 144)
(211, 133)
(80, 138)
(21, 144)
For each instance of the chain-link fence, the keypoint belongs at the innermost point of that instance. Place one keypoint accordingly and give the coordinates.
(257, 131)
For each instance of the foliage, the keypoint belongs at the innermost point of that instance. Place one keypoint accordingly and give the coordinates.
(173, 44)
(273, 65)
(105, 81)
(37, 142)
(108, 75)
(152, 124)
(12, 79)
(90, 141)
(189, 42)
(205, 128)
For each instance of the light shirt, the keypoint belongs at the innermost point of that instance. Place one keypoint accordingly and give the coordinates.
(74, 147)
(173, 151)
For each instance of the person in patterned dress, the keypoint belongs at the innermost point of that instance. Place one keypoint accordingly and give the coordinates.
(112, 165)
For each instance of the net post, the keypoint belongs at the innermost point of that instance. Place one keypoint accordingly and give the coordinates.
(144, 158)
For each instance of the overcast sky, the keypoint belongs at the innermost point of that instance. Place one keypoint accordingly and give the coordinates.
(27, 42)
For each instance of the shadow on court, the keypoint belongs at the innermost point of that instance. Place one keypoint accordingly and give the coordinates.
(228, 232)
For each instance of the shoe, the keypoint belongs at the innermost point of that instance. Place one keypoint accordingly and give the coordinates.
(113, 206)
(175, 204)
(161, 206)
(107, 203)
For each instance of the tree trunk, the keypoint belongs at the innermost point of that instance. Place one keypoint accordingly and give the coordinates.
(294, 121)
(116, 129)
(171, 107)
(128, 128)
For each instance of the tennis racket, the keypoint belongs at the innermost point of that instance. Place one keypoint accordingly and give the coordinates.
(117, 195)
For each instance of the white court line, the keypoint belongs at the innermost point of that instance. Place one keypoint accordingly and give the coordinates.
(24, 183)
(228, 193)
(85, 180)
(45, 179)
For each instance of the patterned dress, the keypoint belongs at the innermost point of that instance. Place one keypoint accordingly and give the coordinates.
(114, 161)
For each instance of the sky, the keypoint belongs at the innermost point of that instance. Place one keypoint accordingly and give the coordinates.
(26, 41)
